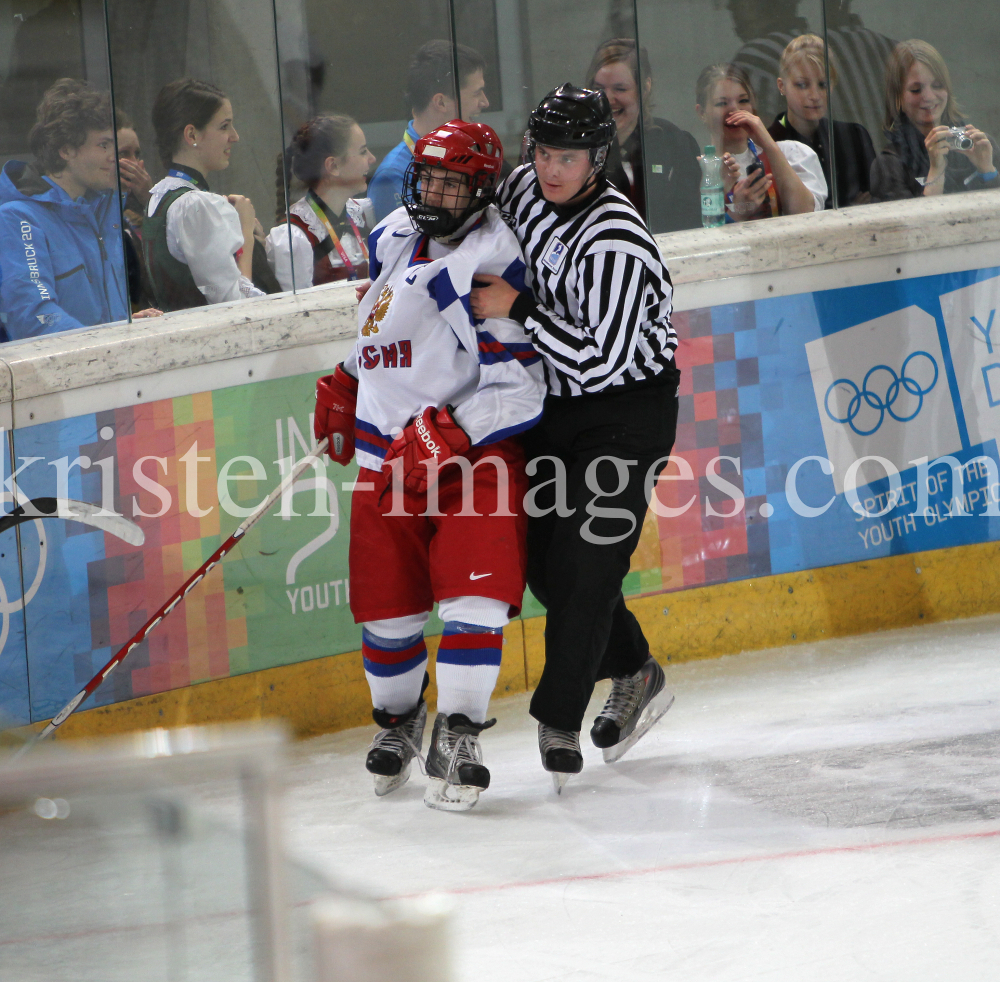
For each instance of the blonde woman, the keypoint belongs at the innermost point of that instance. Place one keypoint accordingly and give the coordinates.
(764, 178)
(921, 117)
(802, 82)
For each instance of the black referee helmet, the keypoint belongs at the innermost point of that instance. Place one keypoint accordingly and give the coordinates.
(571, 118)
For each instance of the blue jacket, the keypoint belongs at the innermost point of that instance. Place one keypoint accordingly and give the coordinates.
(62, 262)
(386, 185)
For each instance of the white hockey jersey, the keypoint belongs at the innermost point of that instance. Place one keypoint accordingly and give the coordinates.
(419, 345)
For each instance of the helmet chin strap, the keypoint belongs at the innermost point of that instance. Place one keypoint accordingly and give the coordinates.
(462, 229)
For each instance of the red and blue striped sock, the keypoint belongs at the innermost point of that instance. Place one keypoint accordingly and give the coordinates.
(468, 663)
(395, 670)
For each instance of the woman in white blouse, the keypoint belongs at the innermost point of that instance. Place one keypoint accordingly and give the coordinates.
(326, 235)
(763, 178)
(198, 245)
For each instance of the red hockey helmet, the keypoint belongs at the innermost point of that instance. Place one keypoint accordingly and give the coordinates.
(472, 149)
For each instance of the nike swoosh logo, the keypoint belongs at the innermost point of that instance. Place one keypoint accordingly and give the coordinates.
(401, 235)
(411, 279)
(478, 576)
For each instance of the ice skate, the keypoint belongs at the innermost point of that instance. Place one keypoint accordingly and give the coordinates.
(455, 770)
(635, 703)
(394, 747)
(561, 756)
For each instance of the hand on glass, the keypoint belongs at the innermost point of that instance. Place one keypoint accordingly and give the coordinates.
(361, 289)
(148, 312)
(493, 300)
(749, 194)
(134, 178)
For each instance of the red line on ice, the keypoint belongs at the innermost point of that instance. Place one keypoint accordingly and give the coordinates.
(708, 863)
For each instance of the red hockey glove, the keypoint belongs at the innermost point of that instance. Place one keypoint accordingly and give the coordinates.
(433, 435)
(336, 401)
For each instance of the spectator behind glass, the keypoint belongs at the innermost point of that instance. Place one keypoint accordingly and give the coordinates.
(62, 264)
(656, 168)
(133, 177)
(803, 84)
(919, 109)
(762, 178)
(430, 94)
(198, 246)
(860, 55)
(329, 226)
(134, 183)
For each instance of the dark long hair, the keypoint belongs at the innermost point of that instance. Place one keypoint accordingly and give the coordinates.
(180, 103)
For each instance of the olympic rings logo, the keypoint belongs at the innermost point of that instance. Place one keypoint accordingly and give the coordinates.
(896, 385)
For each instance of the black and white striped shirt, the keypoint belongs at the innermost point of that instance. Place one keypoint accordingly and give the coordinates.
(602, 295)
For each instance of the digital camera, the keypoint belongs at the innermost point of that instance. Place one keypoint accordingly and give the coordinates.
(957, 139)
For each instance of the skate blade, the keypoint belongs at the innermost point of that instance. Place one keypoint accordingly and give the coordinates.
(386, 784)
(559, 779)
(447, 797)
(650, 716)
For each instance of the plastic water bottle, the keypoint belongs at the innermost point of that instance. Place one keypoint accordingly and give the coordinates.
(713, 205)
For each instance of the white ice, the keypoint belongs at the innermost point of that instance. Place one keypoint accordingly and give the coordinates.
(827, 811)
(821, 813)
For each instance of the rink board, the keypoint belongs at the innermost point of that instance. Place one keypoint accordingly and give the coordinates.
(898, 370)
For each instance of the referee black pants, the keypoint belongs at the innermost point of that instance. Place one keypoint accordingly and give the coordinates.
(577, 561)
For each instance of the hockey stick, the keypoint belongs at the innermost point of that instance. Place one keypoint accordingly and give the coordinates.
(75, 511)
(178, 595)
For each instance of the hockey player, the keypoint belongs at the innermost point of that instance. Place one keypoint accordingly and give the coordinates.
(430, 399)
(599, 312)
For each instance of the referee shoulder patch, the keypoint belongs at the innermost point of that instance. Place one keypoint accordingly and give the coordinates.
(555, 253)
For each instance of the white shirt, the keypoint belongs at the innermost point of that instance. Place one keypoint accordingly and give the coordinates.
(296, 257)
(204, 233)
(418, 344)
(803, 161)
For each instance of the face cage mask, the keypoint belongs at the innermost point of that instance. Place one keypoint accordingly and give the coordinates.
(440, 222)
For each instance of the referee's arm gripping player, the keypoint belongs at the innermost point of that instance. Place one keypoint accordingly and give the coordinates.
(599, 312)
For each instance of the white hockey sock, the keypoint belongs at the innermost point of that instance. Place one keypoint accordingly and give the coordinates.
(468, 663)
(395, 670)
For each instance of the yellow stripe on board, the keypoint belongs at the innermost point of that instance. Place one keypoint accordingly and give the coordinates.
(328, 694)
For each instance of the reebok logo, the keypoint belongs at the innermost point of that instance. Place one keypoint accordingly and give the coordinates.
(426, 438)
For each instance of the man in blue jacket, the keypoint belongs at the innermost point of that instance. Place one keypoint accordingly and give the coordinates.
(62, 263)
(431, 95)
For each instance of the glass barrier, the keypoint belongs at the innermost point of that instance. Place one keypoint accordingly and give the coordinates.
(708, 74)
(196, 88)
(64, 263)
(353, 108)
(920, 81)
(115, 867)
(267, 168)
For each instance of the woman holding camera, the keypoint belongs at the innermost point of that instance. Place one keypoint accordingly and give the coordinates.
(930, 148)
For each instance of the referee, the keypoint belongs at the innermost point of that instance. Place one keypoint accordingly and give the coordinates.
(599, 313)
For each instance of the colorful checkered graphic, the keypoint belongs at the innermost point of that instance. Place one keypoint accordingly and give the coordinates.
(756, 388)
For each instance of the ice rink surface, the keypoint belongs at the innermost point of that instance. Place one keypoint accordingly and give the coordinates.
(825, 812)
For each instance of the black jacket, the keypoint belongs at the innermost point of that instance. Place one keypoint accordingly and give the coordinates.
(853, 154)
(666, 175)
(897, 167)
